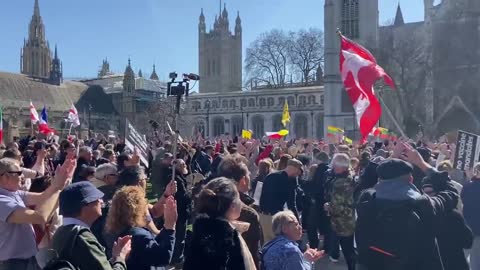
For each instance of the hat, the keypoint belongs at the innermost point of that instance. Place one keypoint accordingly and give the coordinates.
(393, 168)
(425, 153)
(295, 163)
(76, 195)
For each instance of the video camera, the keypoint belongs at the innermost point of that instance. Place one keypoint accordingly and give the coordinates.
(180, 89)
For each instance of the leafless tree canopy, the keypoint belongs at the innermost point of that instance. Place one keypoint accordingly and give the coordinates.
(275, 57)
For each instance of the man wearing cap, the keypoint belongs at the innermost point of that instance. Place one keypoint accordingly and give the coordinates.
(396, 224)
(17, 239)
(279, 188)
(80, 205)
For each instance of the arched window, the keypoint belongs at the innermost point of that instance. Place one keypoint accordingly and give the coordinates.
(218, 126)
(291, 101)
(251, 102)
(301, 126)
(320, 123)
(200, 127)
(350, 19)
(236, 125)
(277, 122)
(281, 101)
(225, 104)
(233, 103)
(243, 103)
(216, 104)
(263, 102)
(207, 104)
(258, 124)
(311, 100)
(302, 101)
(196, 105)
(270, 102)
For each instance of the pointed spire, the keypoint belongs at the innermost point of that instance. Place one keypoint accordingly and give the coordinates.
(154, 76)
(129, 62)
(399, 17)
(238, 20)
(220, 10)
(202, 17)
(56, 54)
(36, 10)
(140, 74)
(225, 12)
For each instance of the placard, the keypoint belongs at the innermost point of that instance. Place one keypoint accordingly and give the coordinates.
(467, 151)
(133, 139)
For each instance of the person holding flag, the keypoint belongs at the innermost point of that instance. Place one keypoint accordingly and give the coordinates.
(43, 126)
(73, 117)
(33, 114)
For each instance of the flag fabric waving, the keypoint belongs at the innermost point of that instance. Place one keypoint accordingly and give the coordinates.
(360, 71)
(43, 126)
(73, 116)
(246, 134)
(1, 124)
(33, 114)
(331, 130)
(285, 115)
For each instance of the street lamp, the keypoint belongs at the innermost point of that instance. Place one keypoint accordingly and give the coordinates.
(207, 104)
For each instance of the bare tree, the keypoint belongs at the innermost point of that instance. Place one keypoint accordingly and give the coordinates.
(267, 59)
(306, 52)
(404, 60)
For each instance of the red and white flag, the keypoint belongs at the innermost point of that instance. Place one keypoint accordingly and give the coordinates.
(73, 116)
(33, 114)
(360, 71)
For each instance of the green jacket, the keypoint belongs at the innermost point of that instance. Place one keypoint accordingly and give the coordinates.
(87, 253)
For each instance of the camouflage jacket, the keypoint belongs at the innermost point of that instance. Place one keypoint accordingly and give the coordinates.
(340, 189)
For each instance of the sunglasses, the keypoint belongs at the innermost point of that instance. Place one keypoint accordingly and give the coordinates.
(17, 173)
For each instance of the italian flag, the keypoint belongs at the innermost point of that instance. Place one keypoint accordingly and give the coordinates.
(1, 124)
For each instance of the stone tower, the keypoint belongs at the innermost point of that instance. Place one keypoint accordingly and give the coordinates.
(56, 70)
(35, 59)
(220, 54)
(358, 20)
(154, 76)
(128, 94)
(105, 69)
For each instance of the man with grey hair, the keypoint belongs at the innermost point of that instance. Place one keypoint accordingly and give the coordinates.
(84, 160)
(339, 190)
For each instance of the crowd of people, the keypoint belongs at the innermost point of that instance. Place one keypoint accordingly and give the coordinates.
(237, 204)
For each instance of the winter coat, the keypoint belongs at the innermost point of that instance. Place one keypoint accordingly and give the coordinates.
(429, 209)
(215, 245)
(254, 236)
(471, 205)
(453, 237)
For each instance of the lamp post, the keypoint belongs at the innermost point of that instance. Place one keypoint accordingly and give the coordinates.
(241, 110)
(89, 121)
(311, 113)
(207, 104)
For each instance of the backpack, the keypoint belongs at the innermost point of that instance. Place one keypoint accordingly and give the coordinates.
(60, 263)
(342, 209)
(389, 238)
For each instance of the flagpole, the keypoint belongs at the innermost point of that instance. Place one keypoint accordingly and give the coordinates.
(31, 128)
(70, 129)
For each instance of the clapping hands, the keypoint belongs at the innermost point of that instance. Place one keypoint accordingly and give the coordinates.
(313, 255)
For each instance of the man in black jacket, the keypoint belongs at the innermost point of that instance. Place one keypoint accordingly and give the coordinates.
(406, 247)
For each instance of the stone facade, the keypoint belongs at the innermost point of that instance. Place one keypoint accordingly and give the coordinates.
(220, 55)
(214, 114)
(358, 20)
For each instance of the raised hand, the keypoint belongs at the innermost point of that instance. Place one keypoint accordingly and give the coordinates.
(171, 189)
(122, 247)
(170, 214)
(64, 173)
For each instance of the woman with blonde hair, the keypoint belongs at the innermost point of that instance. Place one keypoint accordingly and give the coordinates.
(127, 217)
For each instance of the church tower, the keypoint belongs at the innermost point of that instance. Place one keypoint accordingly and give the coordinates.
(105, 69)
(220, 54)
(128, 94)
(56, 70)
(154, 76)
(357, 20)
(36, 55)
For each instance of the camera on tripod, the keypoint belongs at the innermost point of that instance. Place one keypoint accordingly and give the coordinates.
(180, 89)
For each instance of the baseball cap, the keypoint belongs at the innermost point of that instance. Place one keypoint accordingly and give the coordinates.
(76, 195)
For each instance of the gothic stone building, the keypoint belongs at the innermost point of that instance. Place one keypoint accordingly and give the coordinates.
(435, 64)
(221, 107)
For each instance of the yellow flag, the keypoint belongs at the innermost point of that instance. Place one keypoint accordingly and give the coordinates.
(285, 115)
(246, 134)
(347, 140)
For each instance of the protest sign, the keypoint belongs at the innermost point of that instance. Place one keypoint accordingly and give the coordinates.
(467, 150)
(135, 140)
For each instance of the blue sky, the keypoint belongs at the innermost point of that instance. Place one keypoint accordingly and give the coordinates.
(163, 32)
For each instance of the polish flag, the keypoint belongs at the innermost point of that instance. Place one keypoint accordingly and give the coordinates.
(360, 71)
(73, 116)
(33, 114)
(43, 126)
